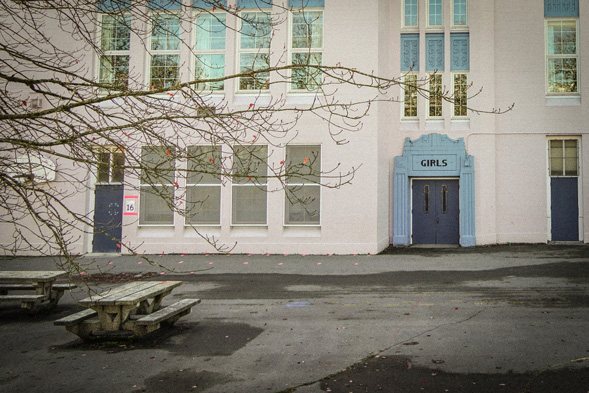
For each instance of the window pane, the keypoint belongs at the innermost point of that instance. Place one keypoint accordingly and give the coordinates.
(165, 32)
(204, 165)
(307, 30)
(306, 78)
(410, 12)
(203, 205)
(117, 170)
(249, 205)
(460, 95)
(459, 12)
(562, 75)
(435, 12)
(164, 71)
(210, 32)
(562, 37)
(571, 163)
(304, 163)
(256, 30)
(435, 98)
(157, 165)
(254, 61)
(155, 205)
(303, 205)
(114, 69)
(104, 167)
(410, 101)
(210, 66)
(115, 32)
(250, 164)
(556, 158)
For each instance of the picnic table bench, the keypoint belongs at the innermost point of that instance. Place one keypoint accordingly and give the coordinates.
(130, 310)
(46, 291)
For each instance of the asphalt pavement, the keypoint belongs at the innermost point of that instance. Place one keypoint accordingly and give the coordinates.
(484, 319)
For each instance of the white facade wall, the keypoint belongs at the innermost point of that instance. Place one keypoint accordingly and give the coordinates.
(512, 184)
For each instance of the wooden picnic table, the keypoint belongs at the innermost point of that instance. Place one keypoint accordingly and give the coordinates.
(41, 282)
(133, 309)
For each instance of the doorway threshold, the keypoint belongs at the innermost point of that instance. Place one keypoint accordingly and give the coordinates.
(435, 246)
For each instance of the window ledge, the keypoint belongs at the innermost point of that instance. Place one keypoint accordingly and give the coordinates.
(563, 101)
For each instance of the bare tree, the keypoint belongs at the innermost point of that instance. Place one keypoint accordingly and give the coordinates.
(64, 121)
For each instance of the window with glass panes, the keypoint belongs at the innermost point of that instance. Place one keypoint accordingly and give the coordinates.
(303, 193)
(435, 95)
(165, 51)
(210, 50)
(562, 56)
(306, 48)
(110, 168)
(564, 157)
(410, 13)
(435, 13)
(203, 185)
(410, 96)
(156, 185)
(249, 188)
(115, 37)
(460, 95)
(460, 12)
(254, 49)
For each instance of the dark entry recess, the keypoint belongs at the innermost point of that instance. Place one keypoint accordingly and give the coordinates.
(564, 208)
(436, 211)
(108, 216)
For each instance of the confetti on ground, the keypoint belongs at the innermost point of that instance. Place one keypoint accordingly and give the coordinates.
(139, 263)
(181, 262)
(210, 263)
(110, 263)
(280, 263)
(191, 272)
(356, 263)
(163, 273)
(245, 263)
(318, 263)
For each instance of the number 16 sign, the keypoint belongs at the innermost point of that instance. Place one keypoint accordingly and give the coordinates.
(131, 205)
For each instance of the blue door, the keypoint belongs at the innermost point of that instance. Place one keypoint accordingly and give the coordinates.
(436, 211)
(564, 193)
(108, 216)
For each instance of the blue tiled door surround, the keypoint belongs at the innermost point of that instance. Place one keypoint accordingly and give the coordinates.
(433, 155)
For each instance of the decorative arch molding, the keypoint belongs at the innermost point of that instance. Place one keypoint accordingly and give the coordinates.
(433, 155)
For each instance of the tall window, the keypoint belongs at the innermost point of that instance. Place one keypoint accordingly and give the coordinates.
(435, 95)
(435, 13)
(156, 185)
(249, 189)
(303, 198)
(203, 185)
(210, 50)
(562, 56)
(460, 95)
(254, 50)
(410, 96)
(460, 14)
(306, 48)
(564, 157)
(115, 35)
(165, 51)
(410, 12)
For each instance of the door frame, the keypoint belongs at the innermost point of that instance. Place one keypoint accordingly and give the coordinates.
(432, 178)
(579, 184)
(433, 155)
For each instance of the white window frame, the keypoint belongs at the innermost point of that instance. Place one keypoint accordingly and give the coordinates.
(302, 184)
(262, 185)
(216, 155)
(404, 17)
(548, 57)
(454, 75)
(222, 16)
(142, 186)
(166, 52)
(453, 24)
(254, 51)
(429, 24)
(307, 50)
(106, 53)
(112, 163)
(415, 93)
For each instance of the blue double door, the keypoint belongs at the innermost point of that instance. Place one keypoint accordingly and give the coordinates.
(436, 211)
(108, 216)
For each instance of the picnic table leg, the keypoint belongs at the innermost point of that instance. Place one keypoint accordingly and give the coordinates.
(112, 317)
(145, 307)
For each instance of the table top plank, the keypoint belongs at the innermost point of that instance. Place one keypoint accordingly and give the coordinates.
(16, 276)
(130, 293)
